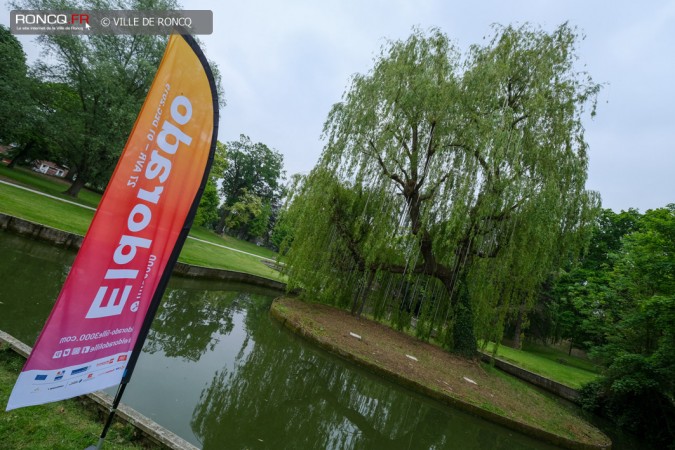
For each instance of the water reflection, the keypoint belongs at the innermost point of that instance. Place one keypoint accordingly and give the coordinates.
(186, 325)
(32, 276)
(281, 393)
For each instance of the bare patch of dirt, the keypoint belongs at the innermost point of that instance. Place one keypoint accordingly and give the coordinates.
(467, 384)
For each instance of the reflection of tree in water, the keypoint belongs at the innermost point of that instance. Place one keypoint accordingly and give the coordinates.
(283, 395)
(189, 321)
(32, 275)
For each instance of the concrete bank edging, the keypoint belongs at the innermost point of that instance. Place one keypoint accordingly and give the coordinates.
(38, 231)
(192, 271)
(435, 394)
(74, 241)
(152, 430)
(546, 384)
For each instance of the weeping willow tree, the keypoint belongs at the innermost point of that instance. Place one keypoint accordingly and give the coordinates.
(450, 185)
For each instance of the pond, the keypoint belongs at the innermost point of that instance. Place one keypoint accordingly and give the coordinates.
(220, 373)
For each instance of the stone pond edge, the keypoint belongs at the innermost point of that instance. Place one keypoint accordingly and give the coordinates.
(528, 430)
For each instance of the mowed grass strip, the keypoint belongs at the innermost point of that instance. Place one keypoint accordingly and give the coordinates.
(48, 185)
(228, 241)
(201, 254)
(63, 425)
(44, 210)
(548, 362)
(74, 219)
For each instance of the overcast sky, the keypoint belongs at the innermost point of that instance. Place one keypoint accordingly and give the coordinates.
(284, 63)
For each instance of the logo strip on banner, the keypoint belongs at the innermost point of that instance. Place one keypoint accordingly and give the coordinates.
(103, 313)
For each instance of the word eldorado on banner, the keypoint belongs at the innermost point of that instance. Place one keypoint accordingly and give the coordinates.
(134, 238)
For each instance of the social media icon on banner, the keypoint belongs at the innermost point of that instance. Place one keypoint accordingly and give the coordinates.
(85, 349)
(76, 351)
(57, 354)
(66, 352)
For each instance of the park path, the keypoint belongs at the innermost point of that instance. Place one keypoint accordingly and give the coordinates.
(94, 209)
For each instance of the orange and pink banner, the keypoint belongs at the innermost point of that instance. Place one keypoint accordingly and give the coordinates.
(134, 238)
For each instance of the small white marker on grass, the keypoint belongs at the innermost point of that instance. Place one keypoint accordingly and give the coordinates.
(470, 380)
(411, 357)
(355, 335)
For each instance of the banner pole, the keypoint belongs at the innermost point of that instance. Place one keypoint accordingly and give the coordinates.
(145, 329)
(166, 275)
(111, 414)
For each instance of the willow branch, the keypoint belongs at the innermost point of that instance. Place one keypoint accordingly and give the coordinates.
(386, 171)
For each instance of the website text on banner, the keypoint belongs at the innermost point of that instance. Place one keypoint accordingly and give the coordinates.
(88, 339)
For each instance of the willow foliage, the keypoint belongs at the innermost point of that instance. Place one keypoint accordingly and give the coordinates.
(451, 184)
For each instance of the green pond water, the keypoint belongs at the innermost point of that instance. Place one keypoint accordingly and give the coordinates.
(219, 372)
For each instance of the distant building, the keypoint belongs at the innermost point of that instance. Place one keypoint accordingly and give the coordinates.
(4, 154)
(50, 168)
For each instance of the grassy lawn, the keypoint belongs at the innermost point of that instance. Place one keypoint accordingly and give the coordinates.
(228, 241)
(62, 425)
(548, 362)
(201, 254)
(44, 210)
(49, 185)
(74, 219)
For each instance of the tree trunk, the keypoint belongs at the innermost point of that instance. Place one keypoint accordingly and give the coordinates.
(362, 297)
(71, 175)
(463, 336)
(464, 339)
(74, 189)
(519, 327)
(21, 154)
(371, 278)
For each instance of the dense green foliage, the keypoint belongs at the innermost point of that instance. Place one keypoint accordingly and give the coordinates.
(24, 114)
(109, 76)
(618, 303)
(92, 88)
(207, 213)
(637, 338)
(450, 186)
(14, 86)
(577, 303)
(252, 189)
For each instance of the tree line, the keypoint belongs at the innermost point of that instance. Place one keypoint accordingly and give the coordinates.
(618, 303)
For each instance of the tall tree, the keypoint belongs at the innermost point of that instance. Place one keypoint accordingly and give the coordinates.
(472, 173)
(254, 174)
(110, 74)
(254, 168)
(17, 108)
